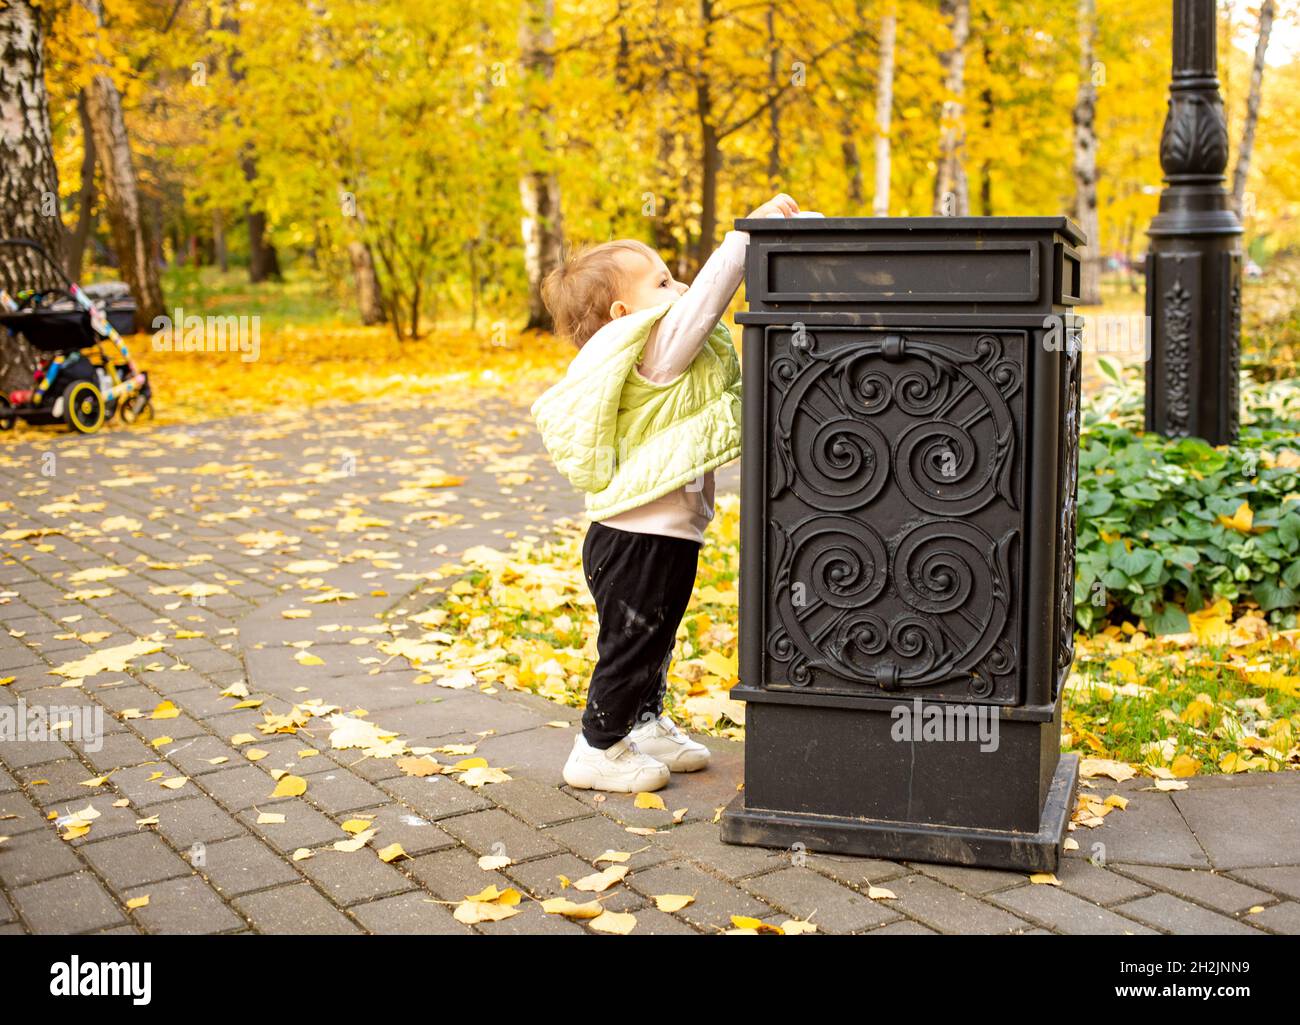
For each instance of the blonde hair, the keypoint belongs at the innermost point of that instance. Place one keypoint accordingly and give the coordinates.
(581, 290)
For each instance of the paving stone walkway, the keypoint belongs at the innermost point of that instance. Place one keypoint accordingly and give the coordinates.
(345, 489)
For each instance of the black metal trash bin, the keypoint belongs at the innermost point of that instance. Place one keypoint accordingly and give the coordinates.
(907, 538)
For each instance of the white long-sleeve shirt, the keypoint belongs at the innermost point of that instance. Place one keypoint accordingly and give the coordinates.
(673, 344)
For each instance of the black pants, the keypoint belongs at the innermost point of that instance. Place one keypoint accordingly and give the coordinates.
(642, 584)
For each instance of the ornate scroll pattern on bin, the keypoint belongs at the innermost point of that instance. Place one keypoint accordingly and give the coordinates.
(1067, 539)
(927, 429)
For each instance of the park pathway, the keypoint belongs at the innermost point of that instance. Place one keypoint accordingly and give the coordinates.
(203, 537)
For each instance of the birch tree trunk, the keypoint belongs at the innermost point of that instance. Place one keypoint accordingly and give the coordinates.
(129, 228)
(29, 183)
(885, 111)
(951, 191)
(1242, 171)
(539, 188)
(1085, 156)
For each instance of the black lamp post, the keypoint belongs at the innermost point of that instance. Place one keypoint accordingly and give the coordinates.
(1194, 263)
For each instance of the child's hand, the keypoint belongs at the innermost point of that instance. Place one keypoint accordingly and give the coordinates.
(779, 205)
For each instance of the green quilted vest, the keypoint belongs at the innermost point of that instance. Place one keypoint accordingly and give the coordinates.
(626, 441)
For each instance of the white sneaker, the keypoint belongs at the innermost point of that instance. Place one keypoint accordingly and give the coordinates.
(661, 739)
(621, 768)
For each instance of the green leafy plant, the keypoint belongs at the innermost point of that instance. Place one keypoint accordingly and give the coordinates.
(1168, 526)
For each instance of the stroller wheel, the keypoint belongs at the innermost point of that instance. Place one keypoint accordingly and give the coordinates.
(84, 405)
(135, 407)
(7, 416)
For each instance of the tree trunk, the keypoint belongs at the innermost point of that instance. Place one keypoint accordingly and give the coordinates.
(539, 188)
(128, 225)
(85, 195)
(369, 300)
(263, 261)
(951, 190)
(774, 111)
(852, 163)
(29, 183)
(220, 255)
(710, 148)
(711, 152)
(1242, 170)
(1085, 156)
(885, 111)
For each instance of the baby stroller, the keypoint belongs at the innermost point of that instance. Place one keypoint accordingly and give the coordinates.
(78, 380)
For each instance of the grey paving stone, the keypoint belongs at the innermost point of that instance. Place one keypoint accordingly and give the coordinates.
(541, 878)
(453, 874)
(715, 901)
(902, 927)
(1099, 885)
(153, 730)
(1281, 918)
(650, 921)
(808, 895)
(856, 872)
(139, 785)
(119, 750)
(129, 861)
(194, 756)
(1208, 888)
(496, 832)
(303, 826)
(536, 803)
(244, 864)
(1246, 827)
(32, 857)
(1173, 914)
(196, 819)
(185, 906)
(20, 754)
(1064, 912)
(353, 877)
(18, 814)
(294, 909)
(532, 921)
(976, 881)
(947, 910)
(339, 792)
(1151, 831)
(60, 781)
(69, 904)
(1283, 880)
(408, 914)
(240, 787)
(700, 842)
(397, 824)
(435, 797)
(589, 838)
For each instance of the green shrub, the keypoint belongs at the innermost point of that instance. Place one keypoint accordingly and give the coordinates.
(1153, 526)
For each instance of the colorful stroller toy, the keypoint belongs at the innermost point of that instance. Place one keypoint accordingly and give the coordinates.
(76, 380)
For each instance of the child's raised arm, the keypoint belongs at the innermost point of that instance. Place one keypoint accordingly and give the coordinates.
(677, 339)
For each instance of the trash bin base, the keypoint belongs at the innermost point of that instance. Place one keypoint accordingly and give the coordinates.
(909, 841)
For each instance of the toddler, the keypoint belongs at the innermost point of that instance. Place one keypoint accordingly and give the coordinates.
(648, 408)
